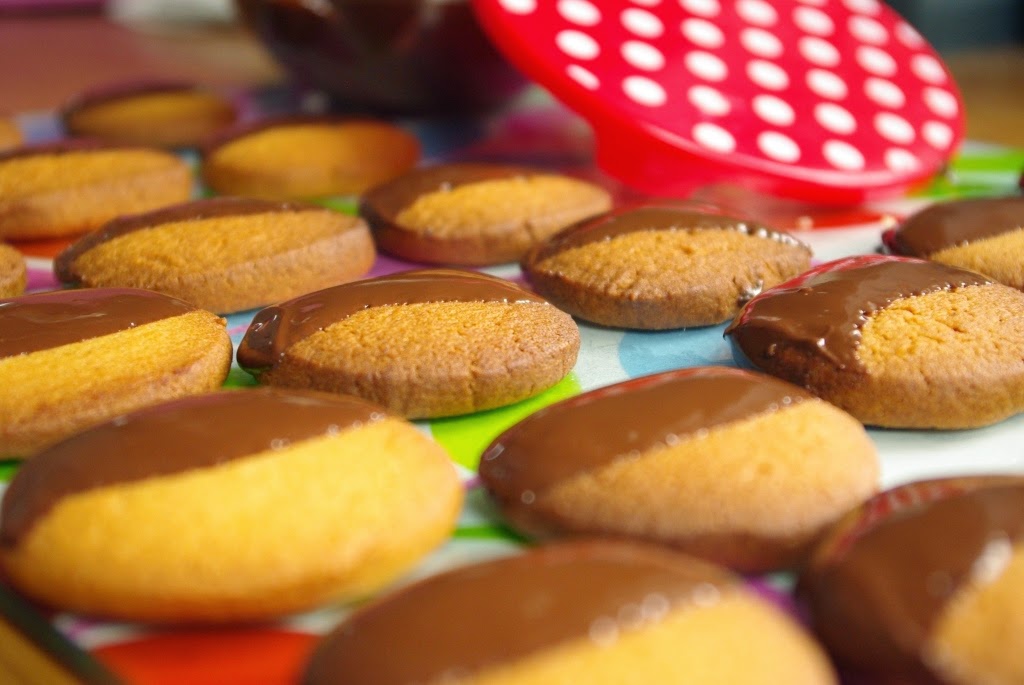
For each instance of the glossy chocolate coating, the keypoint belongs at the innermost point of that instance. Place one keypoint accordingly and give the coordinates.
(392, 56)
(179, 436)
(275, 329)
(32, 323)
(197, 210)
(618, 421)
(949, 224)
(651, 218)
(823, 314)
(476, 617)
(876, 601)
(382, 205)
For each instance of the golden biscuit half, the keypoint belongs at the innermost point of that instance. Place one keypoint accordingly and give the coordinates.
(12, 271)
(660, 266)
(71, 187)
(223, 254)
(925, 583)
(422, 343)
(70, 359)
(475, 214)
(597, 612)
(728, 465)
(161, 114)
(307, 157)
(896, 342)
(239, 505)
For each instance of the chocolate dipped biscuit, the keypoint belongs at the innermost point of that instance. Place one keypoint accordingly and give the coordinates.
(69, 187)
(178, 512)
(984, 235)
(422, 343)
(157, 113)
(223, 254)
(661, 265)
(295, 158)
(729, 465)
(924, 583)
(896, 342)
(12, 271)
(474, 213)
(591, 612)
(116, 349)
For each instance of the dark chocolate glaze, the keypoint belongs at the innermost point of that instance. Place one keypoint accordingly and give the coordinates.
(381, 206)
(823, 313)
(490, 614)
(179, 436)
(196, 210)
(949, 224)
(620, 421)
(60, 147)
(875, 605)
(651, 218)
(275, 329)
(118, 91)
(40, 322)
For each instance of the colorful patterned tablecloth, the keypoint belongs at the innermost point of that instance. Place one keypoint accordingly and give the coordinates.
(540, 132)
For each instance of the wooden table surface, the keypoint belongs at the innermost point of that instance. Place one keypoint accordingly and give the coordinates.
(81, 51)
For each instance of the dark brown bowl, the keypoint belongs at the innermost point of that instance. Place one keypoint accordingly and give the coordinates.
(387, 56)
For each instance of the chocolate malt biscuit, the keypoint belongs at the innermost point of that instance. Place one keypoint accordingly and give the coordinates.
(596, 612)
(896, 342)
(735, 467)
(70, 187)
(661, 266)
(223, 254)
(475, 214)
(73, 358)
(299, 158)
(422, 343)
(238, 505)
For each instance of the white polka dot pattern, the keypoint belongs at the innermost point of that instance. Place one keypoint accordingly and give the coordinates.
(709, 100)
(642, 55)
(778, 146)
(703, 33)
(841, 86)
(761, 43)
(714, 137)
(702, 8)
(577, 44)
(642, 23)
(773, 110)
(579, 12)
(813, 21)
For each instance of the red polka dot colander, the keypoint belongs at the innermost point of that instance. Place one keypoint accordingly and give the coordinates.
(832, 101)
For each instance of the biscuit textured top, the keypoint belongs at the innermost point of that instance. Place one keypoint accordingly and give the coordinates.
(277, 328)
(653, 218)
(40, 322)
(507, 610)
(384, 203)
(183, 435)
(879, 597)
(120, 91)
(950, 224)
(628, 418)
(823, 310)
(198, 210)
